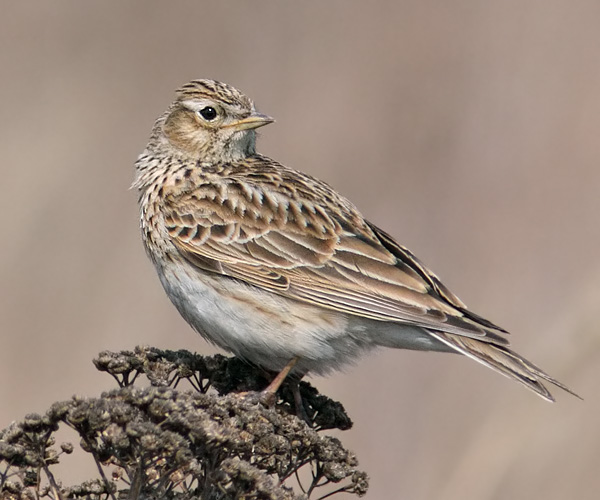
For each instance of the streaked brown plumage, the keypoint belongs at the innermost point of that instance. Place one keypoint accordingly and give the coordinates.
(274, 265)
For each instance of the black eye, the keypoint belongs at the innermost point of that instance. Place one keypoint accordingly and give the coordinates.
(208, 113)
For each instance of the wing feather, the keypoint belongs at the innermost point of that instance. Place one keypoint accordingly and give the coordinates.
(313, 246)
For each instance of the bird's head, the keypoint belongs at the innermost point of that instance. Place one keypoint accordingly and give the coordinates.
(212, 122)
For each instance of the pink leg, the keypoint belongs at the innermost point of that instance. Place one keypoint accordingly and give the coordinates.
(274, 386)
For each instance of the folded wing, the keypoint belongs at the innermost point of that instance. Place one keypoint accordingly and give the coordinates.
(312, 245)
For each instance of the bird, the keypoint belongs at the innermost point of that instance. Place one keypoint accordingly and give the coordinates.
(278, 268)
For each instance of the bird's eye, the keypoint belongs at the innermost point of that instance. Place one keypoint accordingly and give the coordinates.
(208, 113)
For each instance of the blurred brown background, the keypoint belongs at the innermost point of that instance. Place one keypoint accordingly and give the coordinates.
(468, 129)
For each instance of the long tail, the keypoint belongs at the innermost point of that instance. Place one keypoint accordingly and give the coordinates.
(504, 361)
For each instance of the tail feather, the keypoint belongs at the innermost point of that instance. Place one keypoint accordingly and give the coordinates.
(504, 361)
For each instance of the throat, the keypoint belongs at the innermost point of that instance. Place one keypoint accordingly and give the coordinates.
(242, 144)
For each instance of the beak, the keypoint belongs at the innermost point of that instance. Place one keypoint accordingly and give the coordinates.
(255, 120)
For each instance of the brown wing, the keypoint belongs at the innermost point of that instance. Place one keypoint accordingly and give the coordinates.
(303, 241)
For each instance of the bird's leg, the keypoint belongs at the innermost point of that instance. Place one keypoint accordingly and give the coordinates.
(300, 409)
(269, 394)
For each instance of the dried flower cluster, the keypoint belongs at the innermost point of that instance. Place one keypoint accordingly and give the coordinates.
(210, 442)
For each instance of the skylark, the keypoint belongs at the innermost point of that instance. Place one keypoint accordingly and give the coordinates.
(275, 266)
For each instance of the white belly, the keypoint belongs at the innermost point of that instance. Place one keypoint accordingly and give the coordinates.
(269, 330)
(262, 327)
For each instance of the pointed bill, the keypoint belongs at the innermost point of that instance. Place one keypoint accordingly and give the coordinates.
(255, 120)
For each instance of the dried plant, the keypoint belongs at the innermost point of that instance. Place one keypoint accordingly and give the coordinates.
(215, 440)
